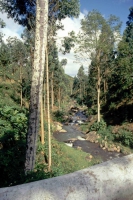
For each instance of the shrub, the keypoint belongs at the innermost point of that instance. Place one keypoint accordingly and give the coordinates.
(125, 137)
(13, 127)
(59, 115)
(98, 126)
(106, 134)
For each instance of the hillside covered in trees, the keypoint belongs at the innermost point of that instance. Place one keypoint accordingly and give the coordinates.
(35, 91)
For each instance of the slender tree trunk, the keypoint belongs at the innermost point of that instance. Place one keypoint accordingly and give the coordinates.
(42, 121)
(48, 113)
(71, 87)
(21, 95)
(84, 89)
(80, 90)
(4, 74)
(44, 97)
(52, 92)
(98, 95)
(105, 89)
(37, 82)
(104, 86)
(59, 97)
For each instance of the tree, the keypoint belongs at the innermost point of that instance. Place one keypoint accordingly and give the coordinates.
(121, 80)
(18, 62)
(95, 41)
(37, 82)
(53, 63)
(24, 12)
(4, 59)
(48, 112)
(63, 63)
(76, 86)
(82, 78)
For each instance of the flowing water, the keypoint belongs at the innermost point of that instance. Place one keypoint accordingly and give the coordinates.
(86, 146)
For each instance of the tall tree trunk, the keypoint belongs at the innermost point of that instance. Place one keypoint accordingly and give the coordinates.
(84, 89)
(105, 89)
(105, 80)
(52, 91)
(44, 97)
(37, 82)
(71, 88)
(80, 91)
(59, 98)
(98, 95)
(48, 113)
(21, 97)
(42, 121)
(20, 76)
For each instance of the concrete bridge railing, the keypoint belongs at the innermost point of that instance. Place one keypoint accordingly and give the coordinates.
(112, 180)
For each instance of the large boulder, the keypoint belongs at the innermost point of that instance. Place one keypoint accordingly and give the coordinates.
(63, 131)
(58, 126)
(74, 109)
(92, 136)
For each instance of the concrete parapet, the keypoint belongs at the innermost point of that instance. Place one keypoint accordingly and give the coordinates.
(111, 180)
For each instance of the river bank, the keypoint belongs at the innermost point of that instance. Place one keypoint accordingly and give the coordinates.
(92, 148)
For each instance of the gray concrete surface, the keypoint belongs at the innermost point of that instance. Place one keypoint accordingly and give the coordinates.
(111, 180)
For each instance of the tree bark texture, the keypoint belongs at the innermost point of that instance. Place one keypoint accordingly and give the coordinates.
(42, 122)
(44, 96)
(59, 97)
(52, 91)
(98, 94)
(48, 113)
(80, 92)
(21, 95)
(37, 82)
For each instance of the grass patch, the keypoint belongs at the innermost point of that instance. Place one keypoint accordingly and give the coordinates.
(125, 149)
(66, 159)
(84, 127)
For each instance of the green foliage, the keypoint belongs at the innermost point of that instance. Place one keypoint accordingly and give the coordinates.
(121, 80)
(15, 67)
(122, 136)
(125, 137)
(84, 127)
(67, 45)
(13, 127)
(37, 175)
(112, 106)
(103, 46)
(92, 110)
(59, 115)
(9, 94)
(106, 134)
(80, 85)
(2, 23)
(20, 11)
(97, 126)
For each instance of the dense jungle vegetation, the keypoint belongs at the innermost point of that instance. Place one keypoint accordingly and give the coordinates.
(106, 89)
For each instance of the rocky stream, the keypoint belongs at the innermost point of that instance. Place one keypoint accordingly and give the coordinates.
(71, 136)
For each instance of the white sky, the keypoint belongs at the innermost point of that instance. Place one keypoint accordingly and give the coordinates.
(69, 25)
(13, 29)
